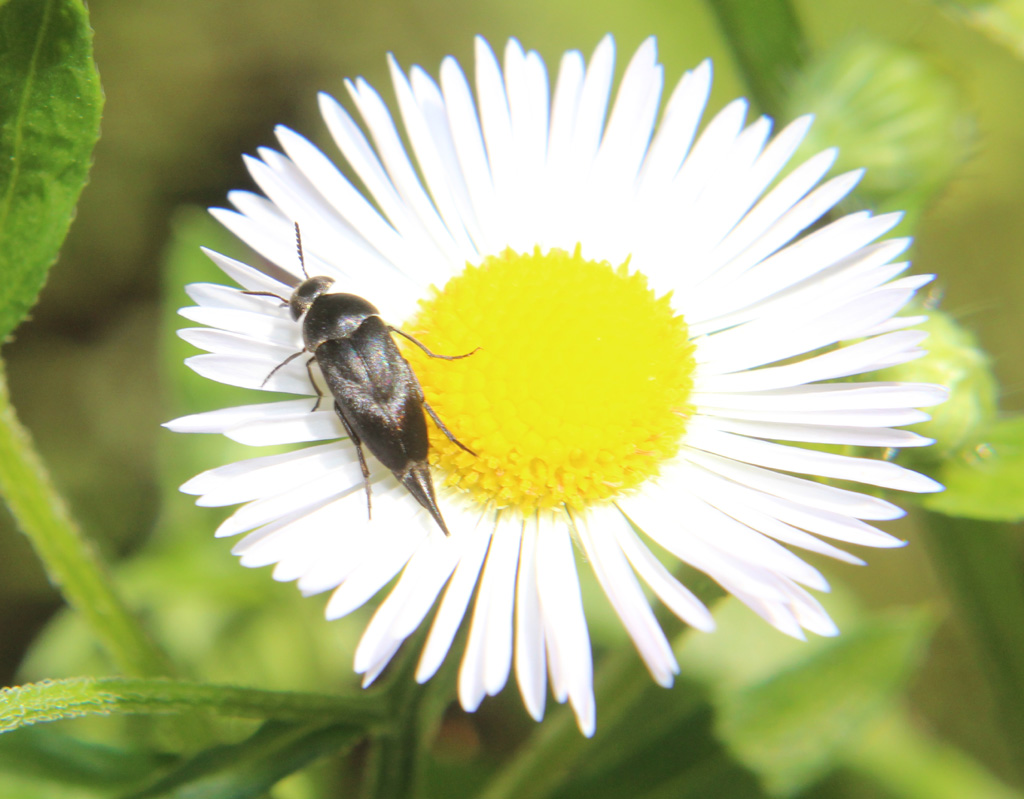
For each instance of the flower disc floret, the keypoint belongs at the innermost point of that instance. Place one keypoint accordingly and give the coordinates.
(578, 388)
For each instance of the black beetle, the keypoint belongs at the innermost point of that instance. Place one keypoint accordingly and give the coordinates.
(376, 394)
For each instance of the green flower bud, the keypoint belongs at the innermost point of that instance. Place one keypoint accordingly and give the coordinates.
(956, 361)
(888, 110)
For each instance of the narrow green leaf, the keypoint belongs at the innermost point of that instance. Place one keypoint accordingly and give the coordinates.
(790, 728)
(85, 696)
(51, 101)
(769, 46)
(47, 754)
(987, 481)
(249, 769)
(980, 564)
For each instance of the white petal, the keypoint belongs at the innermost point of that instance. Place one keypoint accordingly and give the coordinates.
(247, 277)
(706, 523)
(259, 372)
(454, 602)
(676, 597)
(724, 567)
(831, 397)
(225, 419)
(213, 295)
(419, 222)
(255, 325)
(853, 359)
(386, 555)
(768, 211)
(737, 501)
(624, 592)
(222, 342)
(250, 479)
(593, 103)
(302, 426)
(530, 657)
(562, 607)
(807, 461)
(631, 122)
(431, 141)
(795, 489)
(677, 128)
(761, 342)
(362, 158)
(421, 581)
(792, 510)
(820, 434)
(469, 146)
(488, 657)
(308, 494)
(346, 200)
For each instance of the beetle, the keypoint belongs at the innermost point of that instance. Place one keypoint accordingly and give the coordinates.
(376, 394)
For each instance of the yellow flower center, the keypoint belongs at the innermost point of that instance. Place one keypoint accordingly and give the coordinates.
(578, 389)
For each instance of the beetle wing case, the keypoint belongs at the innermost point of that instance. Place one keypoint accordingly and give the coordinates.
(376, 391)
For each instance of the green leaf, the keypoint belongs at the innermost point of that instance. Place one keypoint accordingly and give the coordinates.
(791, 728)
(987, 481)
(249, 769)
(911, 765)
(64, 699)
(664, 747)
(51, 100)
(769, 46)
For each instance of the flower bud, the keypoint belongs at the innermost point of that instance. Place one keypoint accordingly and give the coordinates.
(956, 361)
(888, 110)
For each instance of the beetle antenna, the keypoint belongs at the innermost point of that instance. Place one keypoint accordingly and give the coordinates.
(298, 249)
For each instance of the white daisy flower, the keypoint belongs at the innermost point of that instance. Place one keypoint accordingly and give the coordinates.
(652, 307)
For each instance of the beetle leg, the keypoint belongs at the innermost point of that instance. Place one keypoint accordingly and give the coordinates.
(443, 429)
(316, 386)
(362, 459)
(283, 363)
(419, 344)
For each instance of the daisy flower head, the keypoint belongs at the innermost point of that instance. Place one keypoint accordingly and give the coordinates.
(661, 319)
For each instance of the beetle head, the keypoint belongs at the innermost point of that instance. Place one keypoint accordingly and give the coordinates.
(306, 292)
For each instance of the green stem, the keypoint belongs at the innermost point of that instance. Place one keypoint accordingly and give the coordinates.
(981, 566)
(397, 753)
(416, 711)
(70, 560)
(36, 703)
(768, 44)
(543, 764)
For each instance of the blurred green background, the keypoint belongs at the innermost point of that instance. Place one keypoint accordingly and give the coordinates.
(193, 84)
